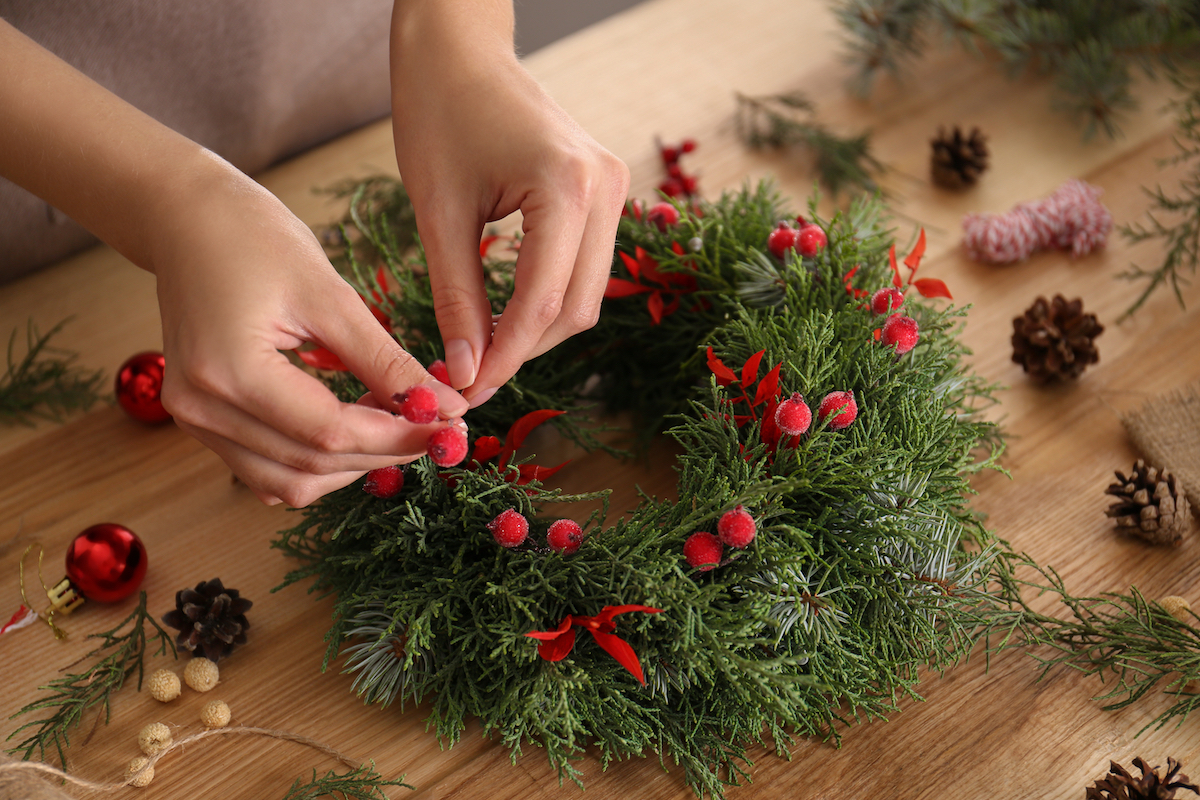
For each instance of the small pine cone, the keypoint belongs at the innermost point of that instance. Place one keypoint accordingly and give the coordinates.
(1119, 784)
(1177, 607)
(210, 618)
(1053, 339)
(958, 161)
(1150, 504)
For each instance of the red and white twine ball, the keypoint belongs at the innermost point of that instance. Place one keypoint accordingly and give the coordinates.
(1071, 218)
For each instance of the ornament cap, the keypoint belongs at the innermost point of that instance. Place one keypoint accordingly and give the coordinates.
(64, 597)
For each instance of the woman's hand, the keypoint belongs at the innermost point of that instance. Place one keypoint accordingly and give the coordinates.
(477, 139)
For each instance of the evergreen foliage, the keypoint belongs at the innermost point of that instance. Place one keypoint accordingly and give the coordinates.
(45, 382)
(867, 566)
(1091, 49)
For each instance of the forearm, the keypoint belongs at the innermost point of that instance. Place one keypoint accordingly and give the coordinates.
(112, 168)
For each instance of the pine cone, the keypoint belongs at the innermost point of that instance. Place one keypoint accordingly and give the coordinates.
(958, 160)
(1054, 339)
(211, 619)
(1120, 785)
(1150, 504)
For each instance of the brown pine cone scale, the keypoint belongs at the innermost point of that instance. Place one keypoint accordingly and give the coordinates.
(1054, 339)
(1150, 504)
(1119, 784)
(957, 161)
(211, 619)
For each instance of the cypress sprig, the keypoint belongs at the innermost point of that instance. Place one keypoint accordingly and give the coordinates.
(118, 655)
(45, 382)
(867, 566)
(363, 783)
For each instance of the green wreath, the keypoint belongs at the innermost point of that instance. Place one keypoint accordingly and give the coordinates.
(864, 563)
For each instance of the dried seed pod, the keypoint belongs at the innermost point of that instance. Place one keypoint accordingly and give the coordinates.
(134, 768)
(201, 674)
(163, 685)
(155, 738)
(215, 714)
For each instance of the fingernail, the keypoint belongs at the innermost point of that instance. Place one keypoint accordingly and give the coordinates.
(482, 398)
(460, 363)
(450, 403)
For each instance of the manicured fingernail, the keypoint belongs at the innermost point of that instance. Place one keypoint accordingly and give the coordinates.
(460, 362)
(482, 398)
(450, 403)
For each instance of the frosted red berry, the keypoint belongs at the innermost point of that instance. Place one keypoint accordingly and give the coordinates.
(901, 332)
(793, 415)
(687, 146)
(384, 482)
(839, 409)
(736, 527)
(782, 239)
(447, 446)
(439, 371)
(811, 240)
(702, 551)
(887, 300)
(419, 404)
(509, 528)
(664, 215)
(671, 187)
(565, 536)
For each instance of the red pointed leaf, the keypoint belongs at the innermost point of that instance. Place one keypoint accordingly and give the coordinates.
(913, 259)
(724, 374)
(895, 267)
(619, 649)
(558, 648)
(655, 303)
(769, 388)
(619, 287)
(321, 358)
(486, 447)
(485, 243)
(532, 472)
(750, 368)
(608, 612)
(544, 636)
(671, 307)
(676, 248)
(932, 287)
(522, 428)
(769, 432)
(631, 264)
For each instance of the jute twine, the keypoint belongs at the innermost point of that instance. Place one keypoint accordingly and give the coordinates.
(1166, 430)
(23, 780)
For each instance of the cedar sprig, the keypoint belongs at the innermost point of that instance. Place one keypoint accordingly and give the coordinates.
(118, 655)
(1180, 232)
(790, 119)
(45, 382)
(362, 783)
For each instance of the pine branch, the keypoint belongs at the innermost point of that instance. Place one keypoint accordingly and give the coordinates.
(45, 382)
(363, 783)
(118, 655)
(785, 120)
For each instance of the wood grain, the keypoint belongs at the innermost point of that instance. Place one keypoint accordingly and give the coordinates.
(667, 67)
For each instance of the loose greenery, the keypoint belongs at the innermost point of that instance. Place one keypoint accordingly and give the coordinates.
(363, 783)
(45, 382)
(868, 565)
(119, 654)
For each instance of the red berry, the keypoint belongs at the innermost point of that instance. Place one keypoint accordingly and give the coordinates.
(439, 371)
(886, 300)
(782, 239)
(509, 528)
(902, 332)
(675, 171)
(565, 536)
(447, 446)
(793, 415)
(688, 145)
(811, 240)
(664, 215)
(702, 551)
(419, 404)
(736, 528)
(671, 187)
(689, 184)
(669, 155)
(843, 408)
(384, 482)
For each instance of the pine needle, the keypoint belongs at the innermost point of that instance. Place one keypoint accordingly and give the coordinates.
(45, 382)
(363, 783)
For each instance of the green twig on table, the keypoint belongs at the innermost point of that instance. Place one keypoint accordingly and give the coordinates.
(363, 783)
(786, 120)
(119, 654)
(1180, 233)
(45, 382)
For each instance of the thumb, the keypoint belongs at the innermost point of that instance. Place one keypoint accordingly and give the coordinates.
(450, 236)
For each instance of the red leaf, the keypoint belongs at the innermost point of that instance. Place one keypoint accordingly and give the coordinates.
(895, 267)
(878, 333)
(556, 647)
(676, 248)
(913, 259)
(321, 358)
(485, 243)
(724, 374)
(769, 388)
(619, 649)
(655, 303)
(486, 447)
(742, 419)
(750, 368)
(544, 636)
(672, 306)
(932, 287)
(532, 472)
(631, 264)
(608, 612)
(769, 432)
(522, 428)
(618, 287)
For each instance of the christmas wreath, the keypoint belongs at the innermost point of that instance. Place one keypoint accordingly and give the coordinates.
(819, 554)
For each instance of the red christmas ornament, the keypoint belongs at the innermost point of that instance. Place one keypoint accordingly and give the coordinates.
(384, 482)
(793, 415)
(105, 563)
(702, 551)
(419, 404)
(887, 300)
(782, 239)
(811, 240)
(843, 408)
(139, 387)
(901, 332)
(565, 536)
(736, 527)
(447, 446)
(509, 528)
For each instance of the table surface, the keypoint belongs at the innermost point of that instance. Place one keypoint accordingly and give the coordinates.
(668, 68)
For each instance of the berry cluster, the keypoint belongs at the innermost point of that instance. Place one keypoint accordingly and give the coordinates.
(736, 528)
(808, 239)
(510, 529)
(677, 183)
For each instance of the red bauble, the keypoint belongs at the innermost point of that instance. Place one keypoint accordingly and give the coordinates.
(139, 387)
(106, 562)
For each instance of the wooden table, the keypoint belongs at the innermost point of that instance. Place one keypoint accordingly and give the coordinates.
(668, 67)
